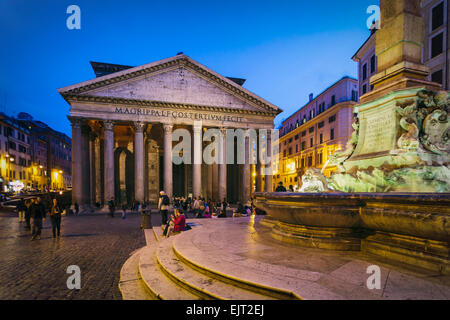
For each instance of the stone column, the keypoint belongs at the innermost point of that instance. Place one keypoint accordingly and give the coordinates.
(258, 180)
(85, 165)
(76, 162)
(197, 166)
(215, 181)
(93, 169)
(139, 161)
(268, 167)
(222, 166)
(246, 172)
(98, 178)
(168, 187)
(209, 175)
(109, 160)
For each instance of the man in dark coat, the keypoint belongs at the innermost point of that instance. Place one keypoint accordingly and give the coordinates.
(38, 213)
(280, 188)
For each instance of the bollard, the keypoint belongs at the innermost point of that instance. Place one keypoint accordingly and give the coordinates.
(146, 219)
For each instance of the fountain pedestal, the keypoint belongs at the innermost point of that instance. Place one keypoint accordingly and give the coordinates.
(410, 228)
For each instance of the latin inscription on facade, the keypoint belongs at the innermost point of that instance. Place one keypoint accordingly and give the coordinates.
(195, 116)
(378, 131)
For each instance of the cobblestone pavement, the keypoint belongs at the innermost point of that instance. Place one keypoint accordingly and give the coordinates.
(99, 245)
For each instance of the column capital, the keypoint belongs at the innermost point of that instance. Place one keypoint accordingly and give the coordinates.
(76, 122)
(139, 126)
(108, 125)
(167, 128)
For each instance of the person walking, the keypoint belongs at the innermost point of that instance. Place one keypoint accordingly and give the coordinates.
(38, 215)
(163, 206)
(224, 206)
(196, 207)
(77, 208)
(28, 213)
(124, 210)
(112, 207)
(21, 210)
(55, 217)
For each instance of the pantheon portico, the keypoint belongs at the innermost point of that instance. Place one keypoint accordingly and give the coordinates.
(122, 125)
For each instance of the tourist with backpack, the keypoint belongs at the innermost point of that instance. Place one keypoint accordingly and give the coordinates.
(163, 206)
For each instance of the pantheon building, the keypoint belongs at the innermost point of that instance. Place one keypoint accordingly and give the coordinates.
(122, 124)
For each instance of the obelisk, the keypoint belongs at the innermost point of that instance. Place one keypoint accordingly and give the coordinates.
(399, 48)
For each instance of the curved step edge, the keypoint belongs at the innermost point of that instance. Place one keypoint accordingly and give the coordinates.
(131, 285)
(273, 292)
(156, 281)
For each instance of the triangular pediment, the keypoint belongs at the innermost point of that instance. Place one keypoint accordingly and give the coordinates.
(177, 80)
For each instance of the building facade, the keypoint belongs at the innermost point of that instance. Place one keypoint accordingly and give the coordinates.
(31, 156)
(123, 125)
(15, 155)
(312, 134)
(435, 49)
(51, 154)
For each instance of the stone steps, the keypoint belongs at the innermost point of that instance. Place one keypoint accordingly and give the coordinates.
(131, 285)
(198, 283)
(156, 272)
(161, 287)
(217, 264)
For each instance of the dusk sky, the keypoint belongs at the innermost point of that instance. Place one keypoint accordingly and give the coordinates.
(285, 49)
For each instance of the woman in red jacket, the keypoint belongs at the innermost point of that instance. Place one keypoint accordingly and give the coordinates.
(178, 222)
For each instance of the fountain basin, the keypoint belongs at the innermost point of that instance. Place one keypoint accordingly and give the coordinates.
(409, 227)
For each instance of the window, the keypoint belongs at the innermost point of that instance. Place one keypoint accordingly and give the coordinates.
(437, 77)
(22, 162)
(296, 148)
(290, 140)
(22, 149)
(320, 158)
(332, 134)
(284, 153)
(437, 16)
(303, 145)
(372, 64)
(311, 130)
(9, 132)
(364, 89)
(303, 162)
(321, 138)
(354, 95)
(12, 145)
(290, 151)
(296, 137)
(364, 72)
(320, 125)
(332, 119)
(333, 100)
(311, 142)
(310, 161)
(303, 133)
(437, 45)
